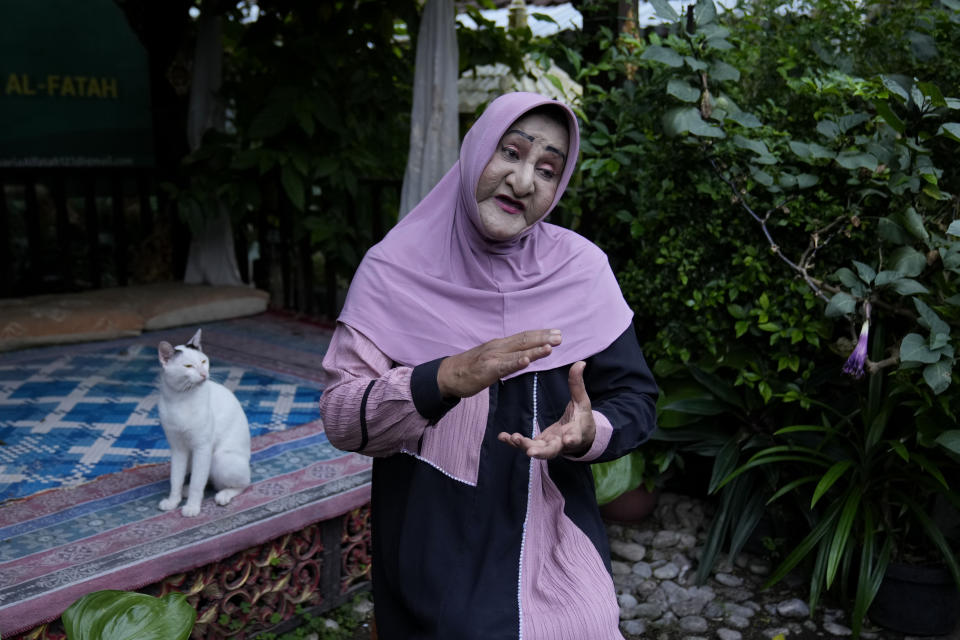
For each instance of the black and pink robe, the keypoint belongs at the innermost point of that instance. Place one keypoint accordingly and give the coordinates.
(471, 538)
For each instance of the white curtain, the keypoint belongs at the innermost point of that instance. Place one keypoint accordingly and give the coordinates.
(434, 121)
(212, 258)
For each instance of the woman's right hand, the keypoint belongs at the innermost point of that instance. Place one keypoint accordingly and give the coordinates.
(470, 372)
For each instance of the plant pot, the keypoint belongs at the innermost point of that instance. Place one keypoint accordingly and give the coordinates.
(918, 600)
(630, 507)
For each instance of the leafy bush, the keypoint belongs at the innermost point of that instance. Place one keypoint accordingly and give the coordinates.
(775, 189)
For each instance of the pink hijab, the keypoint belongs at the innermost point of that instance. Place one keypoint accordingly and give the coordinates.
(436, 286)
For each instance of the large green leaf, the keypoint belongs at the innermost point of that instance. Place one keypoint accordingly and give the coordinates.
(704, 12)
(908, 287)
(293, 186)
(744, 119)
(890, 117)
(938, 375)
(724, 464)
(828, 129)
(895, 86)
(914, 224)
(950, 439)
(721, 71)
(857, 160)
(682, 120)
(664, 55)
(842, 534)
(840, 304)
(681, 89)
(125, 615)
(833, 474)
(951, 130)
(804, 547)
(611, 479)
(810, 150)
(913, 348)
(908, 261)
(664, 11)
(929, 318)
(865, 271)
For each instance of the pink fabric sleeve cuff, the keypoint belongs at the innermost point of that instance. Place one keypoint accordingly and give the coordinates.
(600, 440)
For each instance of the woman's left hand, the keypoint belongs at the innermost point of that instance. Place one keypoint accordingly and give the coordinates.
(571, 435)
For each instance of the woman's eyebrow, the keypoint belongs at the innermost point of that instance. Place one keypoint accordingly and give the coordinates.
(529, 137)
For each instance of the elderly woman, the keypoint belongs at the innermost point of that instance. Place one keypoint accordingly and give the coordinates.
(485, 358)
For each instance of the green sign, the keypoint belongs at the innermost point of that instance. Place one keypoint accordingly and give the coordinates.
(74, 86)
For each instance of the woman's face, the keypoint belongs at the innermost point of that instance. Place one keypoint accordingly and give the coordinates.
(519, 182)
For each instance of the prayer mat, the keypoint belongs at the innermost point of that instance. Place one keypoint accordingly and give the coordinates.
(85, 448)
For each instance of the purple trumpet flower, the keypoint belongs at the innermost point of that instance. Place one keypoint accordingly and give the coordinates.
(854, 364)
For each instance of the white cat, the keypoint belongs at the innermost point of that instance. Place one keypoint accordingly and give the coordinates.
(206, 427)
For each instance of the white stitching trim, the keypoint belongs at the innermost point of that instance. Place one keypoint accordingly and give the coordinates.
(437, 467)
(526, 517)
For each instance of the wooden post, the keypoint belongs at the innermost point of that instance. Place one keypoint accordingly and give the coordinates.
(36, 267)
(119, 228)
(64, 235)
(6, 248)
(93, 229)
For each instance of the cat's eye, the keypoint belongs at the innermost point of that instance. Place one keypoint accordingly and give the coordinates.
(188, 366)
(203, 362)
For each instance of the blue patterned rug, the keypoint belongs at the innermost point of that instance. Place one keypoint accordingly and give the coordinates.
(69, 414)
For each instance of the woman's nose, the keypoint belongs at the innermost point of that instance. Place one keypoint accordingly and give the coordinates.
(521, 180)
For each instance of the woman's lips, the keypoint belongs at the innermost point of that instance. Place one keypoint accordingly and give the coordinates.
(510, 205)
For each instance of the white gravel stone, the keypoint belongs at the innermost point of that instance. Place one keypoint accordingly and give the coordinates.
(649, 610)
(694, 624)
(728, 579)
(759, 568)
(628, 550)
(793, 608)
(714, 610)
(735, 594)
(835, 629)
(642, 569)
(742, 610)
(739, 622)
(668, 619)
(363, 607)
(665, 539)
(627, 601)
(687, 541)
(646, 587)
(668, 571)
(728, 634)
(620, 568)
(633, 627)
(773, 632)
(643, 537)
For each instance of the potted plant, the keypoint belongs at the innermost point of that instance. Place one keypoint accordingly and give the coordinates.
(872, 481)
(623, 491)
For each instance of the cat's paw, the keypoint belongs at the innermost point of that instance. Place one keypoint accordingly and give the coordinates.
(190, 510)
(168, 504)
(224, 496)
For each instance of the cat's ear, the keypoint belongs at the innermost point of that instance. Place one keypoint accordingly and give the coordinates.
(165, 350)
(195, 341)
